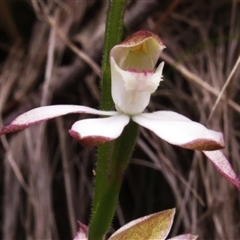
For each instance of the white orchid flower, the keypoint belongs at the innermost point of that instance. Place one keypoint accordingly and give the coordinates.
(134, 79)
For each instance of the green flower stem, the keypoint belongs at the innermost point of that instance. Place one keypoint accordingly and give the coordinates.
(108, 196)
(123, 147)
(113, 35)
(108, 175)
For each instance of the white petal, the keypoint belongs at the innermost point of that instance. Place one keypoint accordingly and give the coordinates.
(82, 233)
(91, 132)
(179, 130)
(131, 91)
(223, 166)
(142, 81)
(40, 114)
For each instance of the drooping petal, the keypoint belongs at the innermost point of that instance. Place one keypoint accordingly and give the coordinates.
(91, 132)
(181, 131)
(223, 166)
(40, 114)
(154, 226)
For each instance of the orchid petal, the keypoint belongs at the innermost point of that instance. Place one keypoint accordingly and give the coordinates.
(91, 132)
(153, 226)
(223, 166)
(147, 43)
(131, 91)
(45, 113)
(82, 233)
(144, 81)
(181, 131)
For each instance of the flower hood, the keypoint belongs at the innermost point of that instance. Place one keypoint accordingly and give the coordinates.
(134, 77)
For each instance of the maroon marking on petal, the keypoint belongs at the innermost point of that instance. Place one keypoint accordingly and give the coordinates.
(139, 36)
(145, 72)
(90, 141)
(234, 180)
(18, 127)
(223, 166)
(203, 145)
(13, 128)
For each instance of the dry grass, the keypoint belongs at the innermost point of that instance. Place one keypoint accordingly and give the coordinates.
(47, 178)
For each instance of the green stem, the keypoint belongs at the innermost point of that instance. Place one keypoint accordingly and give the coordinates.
(113, 35)
(107, 202)
(107, 188)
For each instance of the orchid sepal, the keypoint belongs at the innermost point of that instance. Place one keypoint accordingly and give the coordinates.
(148, 42)
(82, 233)
(153, 226)
(45, 113)
(222, 164)
(92, 132)
(180, 130)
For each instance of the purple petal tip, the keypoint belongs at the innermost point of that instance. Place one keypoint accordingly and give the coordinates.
(223, 166)
(204, 145)
(12, 128)
(89, 141)
(82, 233)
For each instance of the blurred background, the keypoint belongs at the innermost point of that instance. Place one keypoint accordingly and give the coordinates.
(50, 53)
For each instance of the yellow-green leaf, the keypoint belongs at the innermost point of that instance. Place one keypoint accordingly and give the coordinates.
(154, 226)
